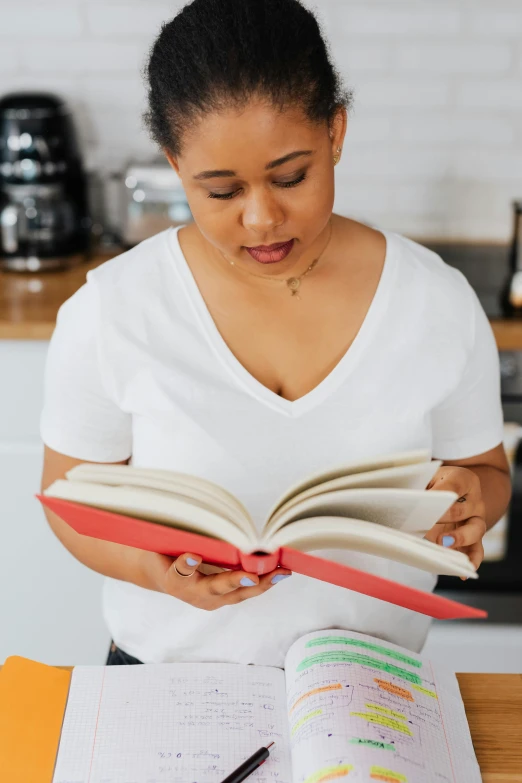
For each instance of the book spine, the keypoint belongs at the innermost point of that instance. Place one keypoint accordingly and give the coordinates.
(259, 562)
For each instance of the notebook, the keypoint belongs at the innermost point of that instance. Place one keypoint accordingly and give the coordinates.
(346, 707)
(379, 507)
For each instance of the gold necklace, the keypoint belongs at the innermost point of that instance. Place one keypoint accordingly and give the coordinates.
(293, 283)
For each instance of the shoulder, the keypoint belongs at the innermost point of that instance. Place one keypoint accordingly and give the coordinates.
(416, 267)
(419, 282)
(141, 264)
(426, 266)
(128, 280)
(438, 294)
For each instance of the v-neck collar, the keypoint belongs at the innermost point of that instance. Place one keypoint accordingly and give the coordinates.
(333, 380)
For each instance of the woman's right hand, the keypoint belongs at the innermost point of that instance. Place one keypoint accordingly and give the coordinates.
(211, 591)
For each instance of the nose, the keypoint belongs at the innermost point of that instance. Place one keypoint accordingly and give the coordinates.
(262, 213)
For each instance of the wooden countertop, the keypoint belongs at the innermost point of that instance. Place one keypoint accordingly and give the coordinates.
(494, 709)
(29, 303)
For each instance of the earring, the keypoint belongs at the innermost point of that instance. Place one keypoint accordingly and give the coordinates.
(337, 156)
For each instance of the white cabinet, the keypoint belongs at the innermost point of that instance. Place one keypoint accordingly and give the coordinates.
(50, 604)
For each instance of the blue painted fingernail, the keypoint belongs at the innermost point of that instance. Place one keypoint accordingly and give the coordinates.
(278, 577)
(246, 582)
(448, 541)
(191, 561)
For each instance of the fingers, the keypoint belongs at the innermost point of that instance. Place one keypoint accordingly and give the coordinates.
(464, 535)
(464, 508)
(459, 480)
(185, 565)
(237, 586)
(475, 552)
(466, 484)
(228, 581)
(185, 582)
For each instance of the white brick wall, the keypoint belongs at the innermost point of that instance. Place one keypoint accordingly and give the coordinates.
(434, 145)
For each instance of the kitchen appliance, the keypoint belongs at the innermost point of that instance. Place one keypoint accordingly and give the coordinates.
(511, 296)
(44, 216)
(153, 199)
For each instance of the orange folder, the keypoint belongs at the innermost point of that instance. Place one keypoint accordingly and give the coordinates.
(33, 697)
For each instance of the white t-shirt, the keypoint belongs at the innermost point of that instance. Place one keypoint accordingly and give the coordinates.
(136, 366)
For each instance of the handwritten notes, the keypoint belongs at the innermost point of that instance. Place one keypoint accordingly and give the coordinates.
(330, 773)
(340, 656)
(378, 648)
(172, 723)
(425, 691)
(400, 728)
(387, 775)
(347, 708)
(383, 720)
(394, 689)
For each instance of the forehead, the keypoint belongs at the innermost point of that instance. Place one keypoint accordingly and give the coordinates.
(258, 132)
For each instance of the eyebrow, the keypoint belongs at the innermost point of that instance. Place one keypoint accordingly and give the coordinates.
(211, 173)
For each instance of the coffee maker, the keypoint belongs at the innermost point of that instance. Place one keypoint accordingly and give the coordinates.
(44, 214)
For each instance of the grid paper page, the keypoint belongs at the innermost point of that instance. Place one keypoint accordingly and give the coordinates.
(363, 710)
(172, 723)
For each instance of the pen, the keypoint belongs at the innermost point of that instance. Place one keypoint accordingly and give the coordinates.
(249, 766)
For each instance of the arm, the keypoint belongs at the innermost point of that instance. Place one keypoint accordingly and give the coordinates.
(147, 569)
(114, 560)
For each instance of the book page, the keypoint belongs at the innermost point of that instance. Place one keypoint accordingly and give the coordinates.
(352, 468)
(416, 476)
(172, 723)
(409, 510)
(152, 505)
(365, 710)
(336, 533)
(215, 497)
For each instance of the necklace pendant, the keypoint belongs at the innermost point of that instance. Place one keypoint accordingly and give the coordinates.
(293, 284)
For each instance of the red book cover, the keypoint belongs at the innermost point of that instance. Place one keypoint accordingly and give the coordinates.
(154, 537)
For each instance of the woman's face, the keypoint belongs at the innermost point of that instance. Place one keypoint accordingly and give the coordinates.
(242, 194)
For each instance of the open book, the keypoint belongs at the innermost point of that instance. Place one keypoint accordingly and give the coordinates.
(379, 507)
(346, 707)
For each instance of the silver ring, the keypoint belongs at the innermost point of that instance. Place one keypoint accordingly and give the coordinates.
(185, 576)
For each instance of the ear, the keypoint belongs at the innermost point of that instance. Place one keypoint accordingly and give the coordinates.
(338, 126)
(172, 160)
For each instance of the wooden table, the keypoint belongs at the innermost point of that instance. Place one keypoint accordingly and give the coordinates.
(29, 302)
(494, 708)
(508, 333)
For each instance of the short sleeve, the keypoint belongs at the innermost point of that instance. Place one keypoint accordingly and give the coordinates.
(470, 420)
(79, 418)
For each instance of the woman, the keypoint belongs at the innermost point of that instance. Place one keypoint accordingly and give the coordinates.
(203, 350)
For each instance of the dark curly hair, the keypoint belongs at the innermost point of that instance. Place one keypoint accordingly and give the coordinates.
(219, 53)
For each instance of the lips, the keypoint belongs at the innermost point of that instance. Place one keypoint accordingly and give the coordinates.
(271, 254)
(267, 248)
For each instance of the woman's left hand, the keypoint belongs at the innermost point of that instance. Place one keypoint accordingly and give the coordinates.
(463, 525)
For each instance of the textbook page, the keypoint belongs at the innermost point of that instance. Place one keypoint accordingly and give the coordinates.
(172, 722)
(365, 710)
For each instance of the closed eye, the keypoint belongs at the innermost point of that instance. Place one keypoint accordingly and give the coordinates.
(291, 184)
